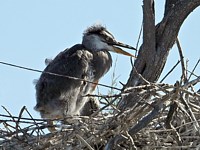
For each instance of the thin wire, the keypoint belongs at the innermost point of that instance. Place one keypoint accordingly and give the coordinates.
(55, 74)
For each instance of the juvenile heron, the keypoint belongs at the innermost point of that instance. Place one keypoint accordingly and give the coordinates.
(59, 96)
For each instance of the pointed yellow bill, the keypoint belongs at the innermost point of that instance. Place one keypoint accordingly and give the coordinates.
(120, 51)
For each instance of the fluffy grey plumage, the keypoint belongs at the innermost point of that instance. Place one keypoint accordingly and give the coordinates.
(58, 96)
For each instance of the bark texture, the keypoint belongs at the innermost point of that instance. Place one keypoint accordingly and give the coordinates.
(157, 42)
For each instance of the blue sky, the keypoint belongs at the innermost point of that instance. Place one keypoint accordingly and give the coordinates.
(31, 31)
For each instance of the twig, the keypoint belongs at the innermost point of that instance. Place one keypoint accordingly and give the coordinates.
(110, 103)
(103, 96)
(141, 120)
(170, 71)
(146, 120)
(147, 82)
(82, 140)
(184, 73)
(19, 117)
(172, 110)
(193, 82)
(138, 40)
(33, 121)
(12, 119)
(192, 73)
(191, 113)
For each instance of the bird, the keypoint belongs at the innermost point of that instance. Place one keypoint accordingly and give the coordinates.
(74, 73)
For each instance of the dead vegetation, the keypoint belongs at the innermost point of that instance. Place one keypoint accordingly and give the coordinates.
(169, 118)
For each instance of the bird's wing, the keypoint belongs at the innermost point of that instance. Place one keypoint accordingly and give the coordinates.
(52, 90)
(55, 93)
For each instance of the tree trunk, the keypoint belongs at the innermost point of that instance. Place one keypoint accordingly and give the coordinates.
(157, 42)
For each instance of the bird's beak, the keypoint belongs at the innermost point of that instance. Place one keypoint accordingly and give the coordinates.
(121, 51)
(116, 48)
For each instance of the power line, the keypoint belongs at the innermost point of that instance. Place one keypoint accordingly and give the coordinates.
(55, 74)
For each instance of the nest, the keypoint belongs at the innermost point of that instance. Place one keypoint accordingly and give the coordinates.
(168, 118)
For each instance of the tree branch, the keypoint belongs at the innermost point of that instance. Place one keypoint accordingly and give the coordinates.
(157, 42)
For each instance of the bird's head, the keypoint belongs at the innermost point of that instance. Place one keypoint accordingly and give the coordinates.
(97, 38)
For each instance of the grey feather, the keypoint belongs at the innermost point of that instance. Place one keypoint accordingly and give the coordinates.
(60, 96)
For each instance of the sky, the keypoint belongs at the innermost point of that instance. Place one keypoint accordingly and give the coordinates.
(31, 31)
